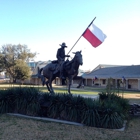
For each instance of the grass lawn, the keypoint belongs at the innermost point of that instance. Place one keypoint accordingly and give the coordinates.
(133, 95)
(57, 89)
(15, 128)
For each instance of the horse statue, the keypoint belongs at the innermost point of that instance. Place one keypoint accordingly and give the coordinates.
(70, 71)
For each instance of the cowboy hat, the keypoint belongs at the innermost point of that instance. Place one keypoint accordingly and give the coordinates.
(63, 45)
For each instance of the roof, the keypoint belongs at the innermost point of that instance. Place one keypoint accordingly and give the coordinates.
(80, 72)
(132, 71)
(105, 66)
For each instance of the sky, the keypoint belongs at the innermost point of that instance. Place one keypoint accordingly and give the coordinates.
(43, 25)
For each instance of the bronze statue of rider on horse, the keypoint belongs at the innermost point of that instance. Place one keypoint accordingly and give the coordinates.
(60, 68)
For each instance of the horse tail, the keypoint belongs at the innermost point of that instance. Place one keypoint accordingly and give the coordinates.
(40, 70)
(41, 76)
(39, 73)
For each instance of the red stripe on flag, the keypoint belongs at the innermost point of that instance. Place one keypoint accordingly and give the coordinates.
(94, 41)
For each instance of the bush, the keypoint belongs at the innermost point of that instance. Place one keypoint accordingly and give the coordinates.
(107, 112)
(19, 100)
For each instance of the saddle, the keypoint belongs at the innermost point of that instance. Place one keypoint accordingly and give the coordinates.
(53, 65)
(56, 67)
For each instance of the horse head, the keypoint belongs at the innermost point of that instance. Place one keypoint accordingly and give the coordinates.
(78, 57)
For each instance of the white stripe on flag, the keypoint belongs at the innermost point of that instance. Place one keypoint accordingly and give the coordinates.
(94, 35)
(97, 32)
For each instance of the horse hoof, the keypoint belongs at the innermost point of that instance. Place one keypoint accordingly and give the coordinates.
(70, 94)
(52, 93)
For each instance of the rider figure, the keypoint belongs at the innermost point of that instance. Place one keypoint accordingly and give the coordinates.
(61, 58)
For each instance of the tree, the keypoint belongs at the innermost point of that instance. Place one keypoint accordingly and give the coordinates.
(13, 59)
(22, 70)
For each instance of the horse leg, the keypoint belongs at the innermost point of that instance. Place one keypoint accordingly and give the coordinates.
(51, 88)
(69, 86)
(50, 84)
(43, 80)
(47, 82)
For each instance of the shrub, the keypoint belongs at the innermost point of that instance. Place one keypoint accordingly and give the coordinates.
(107, 112)
(19, 100)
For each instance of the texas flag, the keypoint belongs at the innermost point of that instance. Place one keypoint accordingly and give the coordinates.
(94, 35)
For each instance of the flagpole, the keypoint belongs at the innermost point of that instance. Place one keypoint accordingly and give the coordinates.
(81, 35)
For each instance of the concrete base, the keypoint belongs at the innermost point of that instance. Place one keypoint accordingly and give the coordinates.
(60, 121)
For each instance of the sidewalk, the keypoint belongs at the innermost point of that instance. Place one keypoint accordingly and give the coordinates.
(88, 96)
